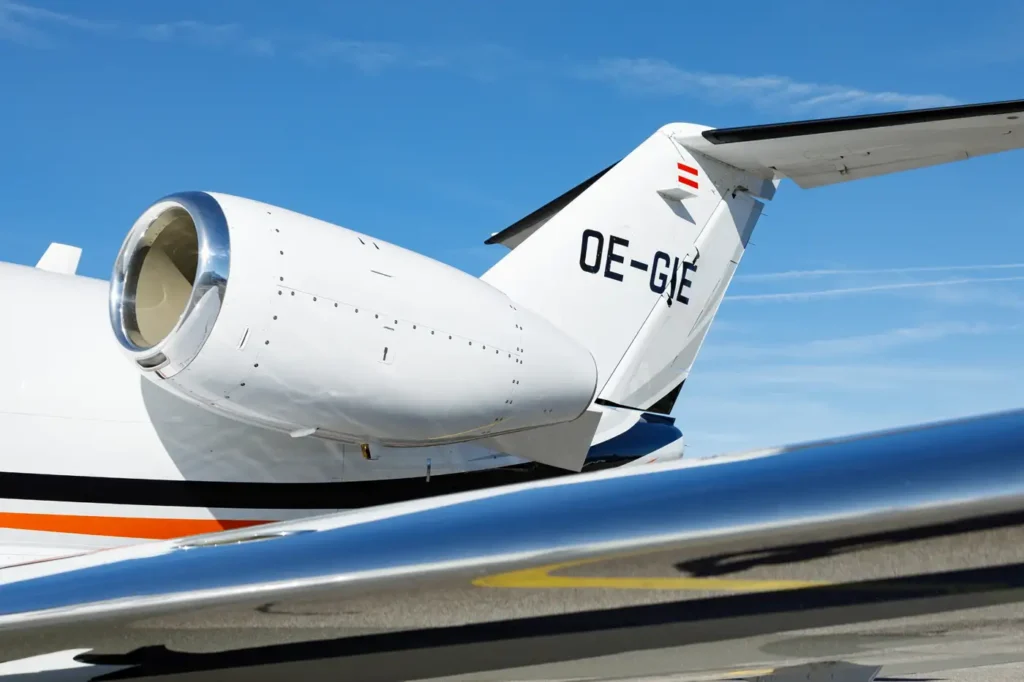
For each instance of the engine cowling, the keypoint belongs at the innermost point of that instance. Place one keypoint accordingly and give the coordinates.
(282, 320)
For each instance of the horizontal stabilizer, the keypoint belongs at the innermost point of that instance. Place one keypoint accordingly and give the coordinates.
(562, 445)
(828, 151)
(60, 258)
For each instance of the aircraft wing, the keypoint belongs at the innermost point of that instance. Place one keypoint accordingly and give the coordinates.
(828, 151)
(297, 592)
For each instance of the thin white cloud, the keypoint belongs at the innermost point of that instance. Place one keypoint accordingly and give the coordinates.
(16, 11)
(847, 291)
(38, 27)
(659, 77)
(484, 62)
(976, 296)
(31, 25)
(24, 24)
(367, 56)
(857, 345)
(801, 274)
(209, 35)
(855, 376)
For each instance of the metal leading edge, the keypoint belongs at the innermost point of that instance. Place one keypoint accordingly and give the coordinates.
(466, 548)
(158, 323)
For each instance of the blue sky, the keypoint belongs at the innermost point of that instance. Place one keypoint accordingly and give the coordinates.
(432, 125)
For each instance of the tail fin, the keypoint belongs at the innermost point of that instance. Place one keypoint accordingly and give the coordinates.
(634, 262)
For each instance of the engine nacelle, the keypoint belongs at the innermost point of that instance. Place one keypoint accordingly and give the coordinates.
(282, 320)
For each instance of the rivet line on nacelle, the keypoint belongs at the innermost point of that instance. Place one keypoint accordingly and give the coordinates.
(433, 332)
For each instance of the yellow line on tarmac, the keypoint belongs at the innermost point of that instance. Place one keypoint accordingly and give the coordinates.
(541, 578)
(733, 674)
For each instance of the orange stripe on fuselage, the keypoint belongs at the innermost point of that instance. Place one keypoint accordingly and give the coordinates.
(119, 526)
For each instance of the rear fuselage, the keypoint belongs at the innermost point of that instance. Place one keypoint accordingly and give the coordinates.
(92, 454)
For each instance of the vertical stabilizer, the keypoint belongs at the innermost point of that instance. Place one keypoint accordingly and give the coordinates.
(635, 261)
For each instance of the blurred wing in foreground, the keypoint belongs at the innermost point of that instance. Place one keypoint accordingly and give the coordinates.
(572, 568)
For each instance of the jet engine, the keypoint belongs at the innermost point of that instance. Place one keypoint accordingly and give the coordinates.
(288, 322)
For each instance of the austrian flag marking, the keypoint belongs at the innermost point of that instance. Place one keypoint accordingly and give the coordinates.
(690, 170)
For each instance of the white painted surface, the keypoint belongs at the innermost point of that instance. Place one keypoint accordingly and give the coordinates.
(71, 404)
(60, 258)
(640, 291)
(367, 342)
(844, 155)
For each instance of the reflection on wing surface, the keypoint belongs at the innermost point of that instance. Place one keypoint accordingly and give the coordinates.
(341, 590)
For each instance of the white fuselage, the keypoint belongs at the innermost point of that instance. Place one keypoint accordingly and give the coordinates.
(94, 454)
(83, 435)
(71, 404)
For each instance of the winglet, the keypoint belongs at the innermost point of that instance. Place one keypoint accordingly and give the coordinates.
(60, 258)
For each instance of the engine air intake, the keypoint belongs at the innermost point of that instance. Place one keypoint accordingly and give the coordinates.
(171, 270)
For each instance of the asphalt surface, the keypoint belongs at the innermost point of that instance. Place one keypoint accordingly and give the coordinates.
(939, 608)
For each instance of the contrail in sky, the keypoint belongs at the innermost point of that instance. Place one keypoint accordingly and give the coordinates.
(825, 293)
(799, 274)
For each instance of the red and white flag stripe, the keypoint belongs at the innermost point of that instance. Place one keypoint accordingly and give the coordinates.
(685, 180)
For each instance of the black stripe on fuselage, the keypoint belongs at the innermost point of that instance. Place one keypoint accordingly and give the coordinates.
(245, 495)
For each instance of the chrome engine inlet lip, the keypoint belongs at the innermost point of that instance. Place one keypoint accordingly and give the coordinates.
(188, 335)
